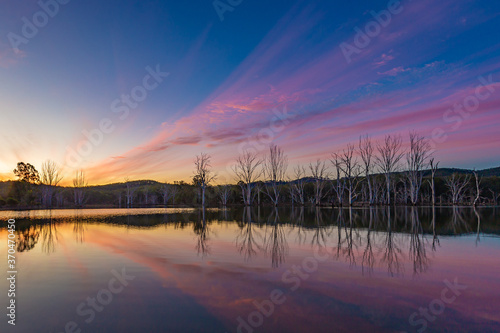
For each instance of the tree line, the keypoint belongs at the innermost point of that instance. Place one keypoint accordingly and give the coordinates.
(367, 173)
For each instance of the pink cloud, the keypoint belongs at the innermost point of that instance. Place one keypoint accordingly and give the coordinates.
(333, 102)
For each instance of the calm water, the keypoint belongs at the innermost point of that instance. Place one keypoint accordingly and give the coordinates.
(261, 270)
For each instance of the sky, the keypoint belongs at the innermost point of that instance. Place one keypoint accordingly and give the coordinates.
(137, 89)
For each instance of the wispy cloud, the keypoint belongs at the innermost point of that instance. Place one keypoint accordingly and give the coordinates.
(333, 102)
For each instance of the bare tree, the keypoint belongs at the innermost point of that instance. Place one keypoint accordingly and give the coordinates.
(247, 172)
(203, 173)
(259, 188)
(298, 184)
(417, 160)
(130, 191)
(320, 175)
(494, 196)
(457, 184)
(351, 170)
(478, 189)
(79, 184)
(434, 168)
(275, 166)
(339, 186)
(366, 152)
(50, 178)
(390, 155)
(224, 192)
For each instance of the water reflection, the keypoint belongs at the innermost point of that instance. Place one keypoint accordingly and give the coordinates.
(50, 235)
(27, 238)
(368, 259)
(275, 242)
(418, 244)
(202, 231)
(249, 239)
(383, 264)
(369, 238)
(79, 227)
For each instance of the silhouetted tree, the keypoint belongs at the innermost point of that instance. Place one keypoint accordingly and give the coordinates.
(390, 155)
(203, 173)
(50, 178)
(247, 172)
(27, 173)
(275, 166)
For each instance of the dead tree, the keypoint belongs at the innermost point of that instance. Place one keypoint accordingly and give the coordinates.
(416, 160)
(79, 185)
(50, 177)
(366, 152)
(390, 155)
(247, 172)
(320, 175)
(224, 192)
(478, 189)
(351, 170)
(339, 186)
(457, 186)
(298, 184)
(494, 196)
(275, 166)
(434, 168)
(203, 173)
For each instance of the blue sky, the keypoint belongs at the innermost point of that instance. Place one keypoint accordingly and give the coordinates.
(227, 76)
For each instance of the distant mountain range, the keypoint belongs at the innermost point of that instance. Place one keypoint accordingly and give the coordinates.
(442, 172)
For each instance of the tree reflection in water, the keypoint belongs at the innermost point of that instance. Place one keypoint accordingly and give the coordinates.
(392, 253)
(368, 259)
(298, 224)
(27, 238)
(320, 234)
(79, 227)
(50, 236)
(435, 239)
(418, 252)
(247, 239)
(478, 225)
(275, 242)
(202, 232)
(457, 223)
(385, 238)
(350, 248)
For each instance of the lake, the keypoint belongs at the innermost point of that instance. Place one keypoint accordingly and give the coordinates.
(307, 269)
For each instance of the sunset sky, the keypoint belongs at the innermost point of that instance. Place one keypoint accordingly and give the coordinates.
(269, 72)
